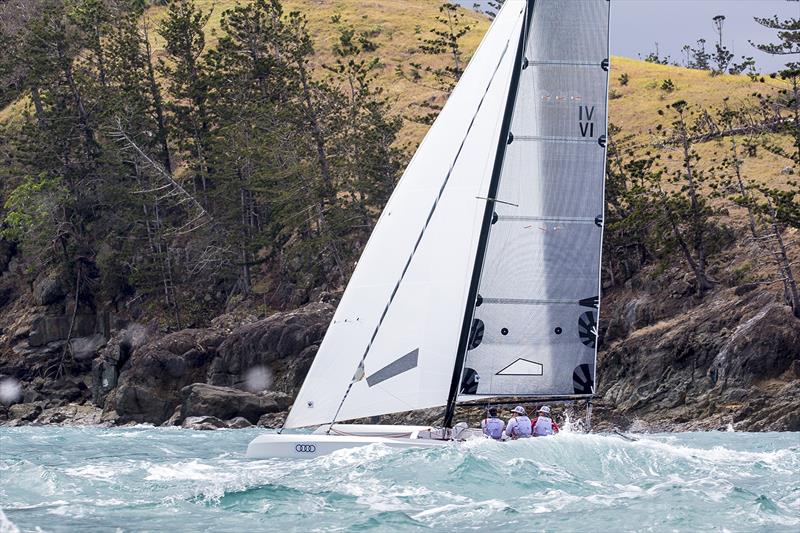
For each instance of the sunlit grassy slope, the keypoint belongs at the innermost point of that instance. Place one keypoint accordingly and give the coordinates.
(399, 25)
(634, 107)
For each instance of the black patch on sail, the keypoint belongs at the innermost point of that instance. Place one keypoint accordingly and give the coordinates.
(598, 221)
(510, 138)
(589, 302)
(469, 383)
(587, 328)
(604, 64)
(582, 382)
(478, 301)
(602, 141)
(476, 334)
(395, 368)
(494, 218)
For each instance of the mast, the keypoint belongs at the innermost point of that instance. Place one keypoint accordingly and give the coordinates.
(502, 143)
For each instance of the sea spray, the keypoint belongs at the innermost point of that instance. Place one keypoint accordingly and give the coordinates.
(70, 479)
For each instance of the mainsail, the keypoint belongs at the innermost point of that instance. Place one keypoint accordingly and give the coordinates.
(496, 222)
(533, 331)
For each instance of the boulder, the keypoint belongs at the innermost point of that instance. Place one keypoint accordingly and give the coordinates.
(284, 343)
(112, 356)
(71, 415)
(150, 382)
(25, 412)
(48, 289)
(50, 328)
(238, 423)
(203, 423)
(271, 420)
(201, 399)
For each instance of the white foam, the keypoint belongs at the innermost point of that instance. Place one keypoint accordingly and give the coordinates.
(6, 526)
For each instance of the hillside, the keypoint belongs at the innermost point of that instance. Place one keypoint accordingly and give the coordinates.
(104, 317)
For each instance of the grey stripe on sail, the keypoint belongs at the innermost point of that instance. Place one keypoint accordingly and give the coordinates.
(395, 368)
(526, 301)
(553, 139)
(579, 220)
(566, 63)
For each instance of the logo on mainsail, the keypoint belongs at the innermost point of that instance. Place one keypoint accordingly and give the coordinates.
(582, 381)
(469, 384)
(587, 328)
(476, 334)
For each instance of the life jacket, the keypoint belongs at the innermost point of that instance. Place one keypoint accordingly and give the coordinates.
(543, 427)
(493, 427)
(521, 428)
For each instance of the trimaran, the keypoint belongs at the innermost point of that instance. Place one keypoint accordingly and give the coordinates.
(481, 279)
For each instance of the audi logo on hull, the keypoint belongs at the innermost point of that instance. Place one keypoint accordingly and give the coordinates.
(305, 448)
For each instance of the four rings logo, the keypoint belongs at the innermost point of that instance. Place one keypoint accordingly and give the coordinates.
(307, 448)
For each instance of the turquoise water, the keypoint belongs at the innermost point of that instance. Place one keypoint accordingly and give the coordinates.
(154, 479)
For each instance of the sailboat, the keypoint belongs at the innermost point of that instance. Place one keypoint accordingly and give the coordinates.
(481, 279)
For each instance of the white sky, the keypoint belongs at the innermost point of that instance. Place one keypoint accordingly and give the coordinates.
(636, 25)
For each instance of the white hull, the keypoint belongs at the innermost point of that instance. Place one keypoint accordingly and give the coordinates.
(288, 446)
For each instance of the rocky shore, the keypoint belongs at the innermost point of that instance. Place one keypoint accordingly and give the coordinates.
(669, 361)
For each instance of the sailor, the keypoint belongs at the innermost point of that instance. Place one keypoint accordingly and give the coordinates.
(519, 425)
(493, 426)
(543, 425)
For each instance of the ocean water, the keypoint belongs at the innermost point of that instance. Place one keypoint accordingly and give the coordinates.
(157, 479)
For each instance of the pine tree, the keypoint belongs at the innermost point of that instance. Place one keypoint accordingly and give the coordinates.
(187, 79)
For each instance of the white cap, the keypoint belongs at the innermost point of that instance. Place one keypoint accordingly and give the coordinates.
(545, 409)
(519, 410)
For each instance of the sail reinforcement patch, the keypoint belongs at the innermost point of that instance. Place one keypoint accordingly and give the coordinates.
(395, 368)
(522, 367)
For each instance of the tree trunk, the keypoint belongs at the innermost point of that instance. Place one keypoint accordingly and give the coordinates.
(698, 224)
(737, 165)
(37, 106)
(790, 284)
(158, 104)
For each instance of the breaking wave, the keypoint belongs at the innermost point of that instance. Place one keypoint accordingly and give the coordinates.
(62, 479)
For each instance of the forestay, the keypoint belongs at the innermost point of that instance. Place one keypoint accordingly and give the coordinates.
(392, 343)
(535, 322)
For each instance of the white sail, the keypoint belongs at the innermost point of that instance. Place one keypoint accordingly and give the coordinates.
(392, 343)
(534, 327)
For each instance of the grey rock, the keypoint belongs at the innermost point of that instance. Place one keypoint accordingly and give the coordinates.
(271, 420)
(238, 423)
(48, 289)
(284, 343)
(25, 412)
(203, 423)
(150, 382)
(225, 403)
(47, 328)
(71, 415)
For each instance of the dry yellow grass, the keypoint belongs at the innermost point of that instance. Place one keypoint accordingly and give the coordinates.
(636, 108)
(399, 26)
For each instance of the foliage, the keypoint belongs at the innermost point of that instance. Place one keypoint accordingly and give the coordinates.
(446, 42)
(176, 179)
